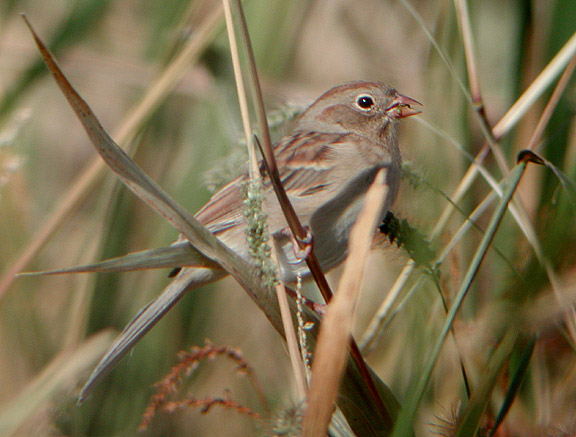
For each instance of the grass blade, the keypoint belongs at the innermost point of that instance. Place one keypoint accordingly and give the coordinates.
(335, 332)
(180, 254)
(406, 417)
(471, 418)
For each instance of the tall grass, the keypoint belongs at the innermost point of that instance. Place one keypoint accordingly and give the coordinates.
(513, 336)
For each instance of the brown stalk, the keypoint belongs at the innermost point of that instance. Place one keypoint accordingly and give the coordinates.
(468, 40)
(289, 331)
(336, 329)
(476, 94)
(296, 228)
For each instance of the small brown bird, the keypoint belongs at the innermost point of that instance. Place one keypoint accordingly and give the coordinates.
(326, 166)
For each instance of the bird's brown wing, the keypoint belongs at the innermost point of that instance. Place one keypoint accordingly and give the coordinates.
(304, 162)
(224, 210)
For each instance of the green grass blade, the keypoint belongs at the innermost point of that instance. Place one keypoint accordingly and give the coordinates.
(408, 413)
(515, 384)
(472, 416)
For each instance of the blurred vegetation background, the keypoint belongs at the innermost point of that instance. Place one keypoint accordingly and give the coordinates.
(52, 329)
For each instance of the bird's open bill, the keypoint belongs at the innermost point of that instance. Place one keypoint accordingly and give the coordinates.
(402, 107)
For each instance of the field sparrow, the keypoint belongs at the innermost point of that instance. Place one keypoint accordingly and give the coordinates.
(326, 166)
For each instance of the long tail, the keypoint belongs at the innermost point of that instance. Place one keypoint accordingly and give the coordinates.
(187, 280)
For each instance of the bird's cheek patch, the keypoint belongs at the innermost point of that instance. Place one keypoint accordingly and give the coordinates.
(338, 114)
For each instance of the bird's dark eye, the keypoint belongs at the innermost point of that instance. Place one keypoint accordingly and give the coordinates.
(365, 102)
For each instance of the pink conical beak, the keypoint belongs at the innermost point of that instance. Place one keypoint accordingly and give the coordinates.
(401, 107)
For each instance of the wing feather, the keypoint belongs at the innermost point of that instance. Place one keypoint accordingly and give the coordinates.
(306, 164)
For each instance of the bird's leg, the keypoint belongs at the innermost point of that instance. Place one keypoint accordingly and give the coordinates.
(302, 246)
(318, 308)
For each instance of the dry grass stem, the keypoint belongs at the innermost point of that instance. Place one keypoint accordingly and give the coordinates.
(335, 332)
(255, 176)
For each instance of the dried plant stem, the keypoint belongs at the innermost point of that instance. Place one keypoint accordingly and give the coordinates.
(289, 329)
(241, 91)
(296, 228)
(335, 331)
(466, 29)
(475, 92)
(298, 364)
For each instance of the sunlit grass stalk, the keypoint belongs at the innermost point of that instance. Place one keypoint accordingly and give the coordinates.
(336, 329)
(536, 88)
(463, 16)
